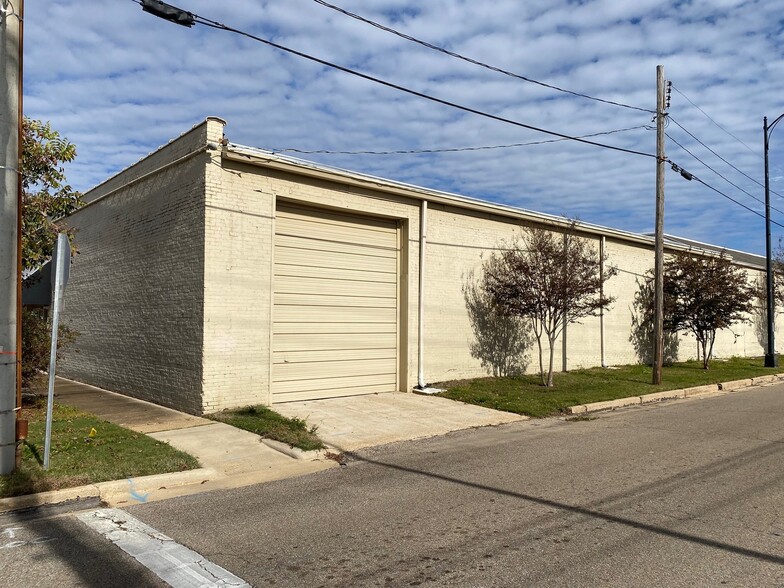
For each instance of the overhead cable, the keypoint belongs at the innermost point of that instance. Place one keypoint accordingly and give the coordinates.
(740, 171)
(474, 61)
(217, 25)
(690, 176)
(450, 149)
(715, 123)
(720, 175)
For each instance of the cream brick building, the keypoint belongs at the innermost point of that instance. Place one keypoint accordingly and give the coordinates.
(212, 275)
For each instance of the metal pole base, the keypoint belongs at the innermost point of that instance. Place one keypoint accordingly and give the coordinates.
(771, 360)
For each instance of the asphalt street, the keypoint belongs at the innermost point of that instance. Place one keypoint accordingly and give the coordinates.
(688, 493)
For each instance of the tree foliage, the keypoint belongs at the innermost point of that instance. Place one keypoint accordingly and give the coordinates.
(37, 342)
(703, 295)
(46, 196)
(643, 335)
(551, 279)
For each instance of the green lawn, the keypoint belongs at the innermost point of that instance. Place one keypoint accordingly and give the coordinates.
(76, 458)
(271, 425)
(525, 395)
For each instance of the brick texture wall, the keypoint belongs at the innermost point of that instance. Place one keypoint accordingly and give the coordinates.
(136, 293)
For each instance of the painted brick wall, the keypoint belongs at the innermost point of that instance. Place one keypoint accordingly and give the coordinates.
(239, 211)
(136, 288)
(458, 241)
(240, 229)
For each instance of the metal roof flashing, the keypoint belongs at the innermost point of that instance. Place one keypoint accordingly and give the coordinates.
(272, 160)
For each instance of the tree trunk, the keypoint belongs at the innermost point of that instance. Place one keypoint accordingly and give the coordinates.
(550, 371)
(541, 360)
(710, 349)
(704, 343)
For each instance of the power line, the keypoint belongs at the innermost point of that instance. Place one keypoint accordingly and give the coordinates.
(720, 175)
(690, 176)
(448, 149)
(685, 130)
(715, 123)
(474, 61)
(195, 18)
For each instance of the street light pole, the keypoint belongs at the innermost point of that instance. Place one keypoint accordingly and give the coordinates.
(771, 360)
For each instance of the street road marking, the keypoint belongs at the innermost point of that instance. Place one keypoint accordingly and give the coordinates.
(11, 532)
(173, 563)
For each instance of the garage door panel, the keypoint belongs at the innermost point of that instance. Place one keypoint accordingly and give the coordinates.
(308, 285)
(348, 301)
(318, 384)
(295, 342)
(333, 329)
(326, 216)
(334, 314)
(333, 232)
(335, 305)
(296, 243)
(312, 355)
(346, 390)
(303, 245)
(316, 270)
(356, 260)
(288, 372)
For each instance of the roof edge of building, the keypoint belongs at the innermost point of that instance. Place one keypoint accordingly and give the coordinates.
(270, 159)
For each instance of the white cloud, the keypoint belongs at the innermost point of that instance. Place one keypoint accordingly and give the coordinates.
(119, 82)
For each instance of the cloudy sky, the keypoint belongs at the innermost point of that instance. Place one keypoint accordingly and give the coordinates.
(119, 82)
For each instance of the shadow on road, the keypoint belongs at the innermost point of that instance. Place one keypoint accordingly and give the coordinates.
(707, 472)
(44, 549)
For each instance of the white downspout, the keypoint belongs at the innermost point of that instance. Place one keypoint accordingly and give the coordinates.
(421, 386)
(421, 316)
(601, 292)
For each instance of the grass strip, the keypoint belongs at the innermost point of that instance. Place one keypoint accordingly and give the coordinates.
(525, 395)
(78, 457)
(269, 424)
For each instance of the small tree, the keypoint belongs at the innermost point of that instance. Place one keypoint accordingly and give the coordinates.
(551, 279)
(46, 198)
(703, 295)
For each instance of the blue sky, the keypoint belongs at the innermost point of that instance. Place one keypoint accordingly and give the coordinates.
(119, 83)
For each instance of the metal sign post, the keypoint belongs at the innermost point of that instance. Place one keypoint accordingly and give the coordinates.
(61, 264)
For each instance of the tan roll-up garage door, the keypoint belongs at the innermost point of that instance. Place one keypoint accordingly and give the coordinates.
(335, 309)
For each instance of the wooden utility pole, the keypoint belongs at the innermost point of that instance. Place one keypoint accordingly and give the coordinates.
(10, 55)
(658, 317)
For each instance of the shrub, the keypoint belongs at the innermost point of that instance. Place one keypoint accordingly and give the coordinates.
(37, 342)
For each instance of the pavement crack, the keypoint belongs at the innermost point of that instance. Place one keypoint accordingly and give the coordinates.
(218, 580)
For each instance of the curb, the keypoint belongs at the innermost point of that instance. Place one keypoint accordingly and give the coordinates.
(75, 497)
(701, 391)
(294, 452)
(108, 492)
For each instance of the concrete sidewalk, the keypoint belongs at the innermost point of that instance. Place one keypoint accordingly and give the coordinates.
(232, 457)
(354, 422)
